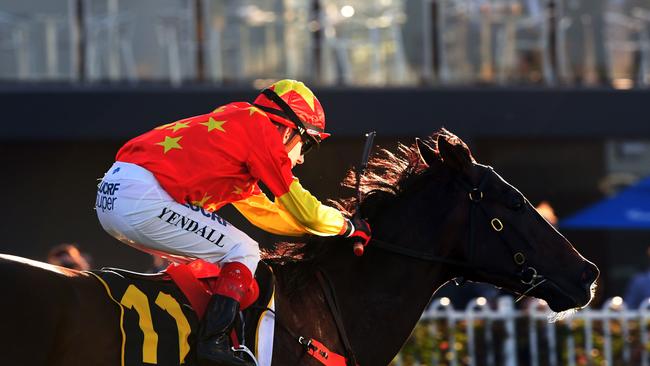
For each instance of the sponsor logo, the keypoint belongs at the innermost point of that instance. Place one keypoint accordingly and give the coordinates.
(174, 218)
(105, 200)
(213, 216)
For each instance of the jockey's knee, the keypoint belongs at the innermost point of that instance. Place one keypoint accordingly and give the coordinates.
(252, 258)
(247, 252)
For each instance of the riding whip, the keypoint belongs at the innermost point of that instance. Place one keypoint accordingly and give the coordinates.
(361, 169)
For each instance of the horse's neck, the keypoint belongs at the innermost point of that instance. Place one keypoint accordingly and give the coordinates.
(381, 295)
(381, 298)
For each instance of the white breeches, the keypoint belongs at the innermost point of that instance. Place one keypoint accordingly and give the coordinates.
(133, 207)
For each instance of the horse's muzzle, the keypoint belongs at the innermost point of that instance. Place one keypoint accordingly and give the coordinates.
(589, 275)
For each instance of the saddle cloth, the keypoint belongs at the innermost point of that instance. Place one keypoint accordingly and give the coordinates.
(159, 325)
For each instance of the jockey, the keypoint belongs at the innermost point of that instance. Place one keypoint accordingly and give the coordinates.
(162, 193)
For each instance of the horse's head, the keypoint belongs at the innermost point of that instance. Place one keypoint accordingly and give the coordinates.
(500, 236)
(430, 204)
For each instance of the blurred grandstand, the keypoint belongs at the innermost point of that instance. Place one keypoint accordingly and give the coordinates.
(328, 42)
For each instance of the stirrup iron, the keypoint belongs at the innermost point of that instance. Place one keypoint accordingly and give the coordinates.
(246, 350)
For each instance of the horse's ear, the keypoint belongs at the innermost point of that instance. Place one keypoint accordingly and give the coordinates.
(455, 155)
(427, 152)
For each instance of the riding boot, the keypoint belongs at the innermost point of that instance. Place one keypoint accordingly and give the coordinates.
(213, 346)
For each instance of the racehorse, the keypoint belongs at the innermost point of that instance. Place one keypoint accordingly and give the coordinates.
(436, 215)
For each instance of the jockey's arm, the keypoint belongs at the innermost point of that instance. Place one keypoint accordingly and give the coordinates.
(295, 213)
(295, 210)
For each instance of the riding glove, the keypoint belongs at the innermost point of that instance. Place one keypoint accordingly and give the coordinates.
(358, 229)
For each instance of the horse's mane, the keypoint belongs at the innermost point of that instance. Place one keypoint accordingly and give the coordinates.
(388, 176)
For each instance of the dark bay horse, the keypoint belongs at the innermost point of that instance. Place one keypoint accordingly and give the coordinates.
(436, 215)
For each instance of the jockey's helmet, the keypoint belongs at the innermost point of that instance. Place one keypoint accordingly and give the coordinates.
(291, 103)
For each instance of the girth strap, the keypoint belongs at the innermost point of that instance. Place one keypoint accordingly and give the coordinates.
(330, 296)
(313, 347)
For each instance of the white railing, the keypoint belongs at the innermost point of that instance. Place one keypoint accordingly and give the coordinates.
(503, 335)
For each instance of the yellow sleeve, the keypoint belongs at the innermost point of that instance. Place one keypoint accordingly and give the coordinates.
(266, 215)
(295, 213)
(314, 216)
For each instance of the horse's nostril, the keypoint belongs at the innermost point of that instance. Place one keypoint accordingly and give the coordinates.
(590, 274)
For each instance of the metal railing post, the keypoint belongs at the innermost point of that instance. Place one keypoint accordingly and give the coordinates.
(506, 309)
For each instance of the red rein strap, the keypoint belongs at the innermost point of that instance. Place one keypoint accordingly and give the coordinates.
(321, 353)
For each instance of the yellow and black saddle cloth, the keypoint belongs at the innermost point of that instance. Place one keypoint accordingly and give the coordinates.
(159, 325)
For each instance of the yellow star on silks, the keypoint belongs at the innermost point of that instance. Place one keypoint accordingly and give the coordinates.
(213, 124)
(203, 200)
(282, 87)
(178, 125)
(212, 207)
(237, 190)
(170, 143)
(252, 110)
(220, 109)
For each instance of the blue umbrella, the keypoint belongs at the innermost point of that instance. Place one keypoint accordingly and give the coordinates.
(629, 209)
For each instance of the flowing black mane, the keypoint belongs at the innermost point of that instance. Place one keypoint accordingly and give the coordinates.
(392, 174)
(389, 175)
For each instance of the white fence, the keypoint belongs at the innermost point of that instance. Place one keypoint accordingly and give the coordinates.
(481, 335)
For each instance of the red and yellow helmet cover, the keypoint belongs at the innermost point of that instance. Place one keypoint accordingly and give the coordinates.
(302, 101)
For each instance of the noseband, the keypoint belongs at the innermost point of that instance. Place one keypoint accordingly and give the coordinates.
(526, 274)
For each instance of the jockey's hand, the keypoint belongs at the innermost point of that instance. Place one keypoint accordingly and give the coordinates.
(359, 230)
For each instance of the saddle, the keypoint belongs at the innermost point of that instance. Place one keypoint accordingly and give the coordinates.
(161, 312)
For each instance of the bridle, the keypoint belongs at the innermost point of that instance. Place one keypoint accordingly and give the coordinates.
(526, 273)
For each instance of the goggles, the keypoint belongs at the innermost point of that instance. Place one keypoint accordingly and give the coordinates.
(309, 142)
